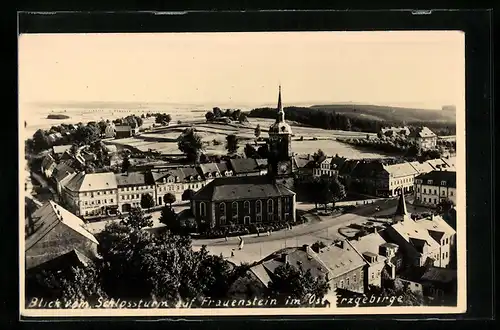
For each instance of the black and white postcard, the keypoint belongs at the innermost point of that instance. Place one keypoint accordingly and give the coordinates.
(262, 173)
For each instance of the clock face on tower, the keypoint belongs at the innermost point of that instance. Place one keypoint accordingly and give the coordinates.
(284, 168)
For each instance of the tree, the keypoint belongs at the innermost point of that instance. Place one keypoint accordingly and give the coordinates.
(85, 135)
(71, 286)
(250, 151)
(348, 125)
(40, 141)
(318, 245)
(217, 112)
(319, 156)
(232, 143)
(167, 118)
(209, 116)
(243, 118)
(187, 195)
(147, 201)
(125, 165)
(169, 198)
(257, 131)
(295, 282)
(137, 219)
(169, 218)
(337, 189)
(190, 144)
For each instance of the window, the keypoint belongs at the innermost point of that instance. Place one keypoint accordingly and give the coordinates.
(203, 209)
(111, 200)
(279, 209)
(373, 276)
(86, 203)
(105, 201)
(354, 278)
(443, 192)
(451, 193)
(258, 217)
(341, 285)
(347, 281)
(98, 193)
(443, 255)
(270, 206)
(435, 201)
(435, 192)
(246, 207)
(258, 207)
(418, 189)
(222, 220)
(425, 200)
(286, 202)
(234, 207)
(222, 209)
(443, 183)
(425, 191)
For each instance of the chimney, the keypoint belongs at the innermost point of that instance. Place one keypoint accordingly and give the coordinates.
(284, 257)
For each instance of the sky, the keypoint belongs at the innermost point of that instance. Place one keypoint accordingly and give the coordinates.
(423, 69)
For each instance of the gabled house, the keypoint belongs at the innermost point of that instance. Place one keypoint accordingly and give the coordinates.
(425, 138)
(224, 169)
(48, 166)
(91, 194)
(58, 151)
(305, 165)
(52, 232)
(421, 241)
(209, 171)
(436, 187)
(400, 177)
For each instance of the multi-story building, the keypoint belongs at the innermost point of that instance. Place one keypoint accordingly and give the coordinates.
(330, 166)
(435, 187)
(243, 200)
(91, 194)
(400, 177)
(420, 241)
(176, 182)
(425, 138)
(131, 187)
(48, 166)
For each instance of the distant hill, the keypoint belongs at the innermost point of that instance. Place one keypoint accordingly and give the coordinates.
(387, 113)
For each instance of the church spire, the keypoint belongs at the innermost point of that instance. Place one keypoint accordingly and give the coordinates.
(401, 212)
(281, 113)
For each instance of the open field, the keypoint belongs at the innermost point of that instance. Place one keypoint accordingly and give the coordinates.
(164, 139)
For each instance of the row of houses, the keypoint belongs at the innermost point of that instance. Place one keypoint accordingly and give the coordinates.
(99, 194)
(424, 246)
(374, 177)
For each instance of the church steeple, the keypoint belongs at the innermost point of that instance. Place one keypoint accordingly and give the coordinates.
(281, 113)
(401, 213)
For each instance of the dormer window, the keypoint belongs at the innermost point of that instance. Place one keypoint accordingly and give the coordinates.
(176, 179)
(443, 183)
(429, 181)
(198, 177)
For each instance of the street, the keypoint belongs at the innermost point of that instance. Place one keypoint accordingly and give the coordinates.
(327, 230)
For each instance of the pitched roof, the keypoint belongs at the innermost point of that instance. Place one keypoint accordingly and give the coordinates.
(134, 179)
(46, 218)
(414, 234)
(437, 164)
(367, 168)
(244, 165)
(442, 275)
(190, 172)
(369, 244)
(436, 224)
(62, 170)
(47, 162)
(61, 149)
(209, 168)
(84, 182)
(348, 167)
(223, 167)
(296, 256)
(438, 176)
(399, 170)
(341, 258)
(111, 148)
(261, 162)
(304, 161)
(422, 167)
(73, 258)
(233, 188)
(421, 132)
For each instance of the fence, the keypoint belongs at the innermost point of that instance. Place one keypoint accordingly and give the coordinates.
(359, 202)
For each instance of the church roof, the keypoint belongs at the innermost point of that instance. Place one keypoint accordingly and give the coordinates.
(235, 188)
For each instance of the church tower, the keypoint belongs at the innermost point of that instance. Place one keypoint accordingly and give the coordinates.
(401, 213)
(280, 148)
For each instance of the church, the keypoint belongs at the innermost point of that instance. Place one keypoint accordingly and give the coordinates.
(253, 199)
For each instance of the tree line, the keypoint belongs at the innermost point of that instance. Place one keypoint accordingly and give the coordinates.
(328, 119)
(217, 114)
